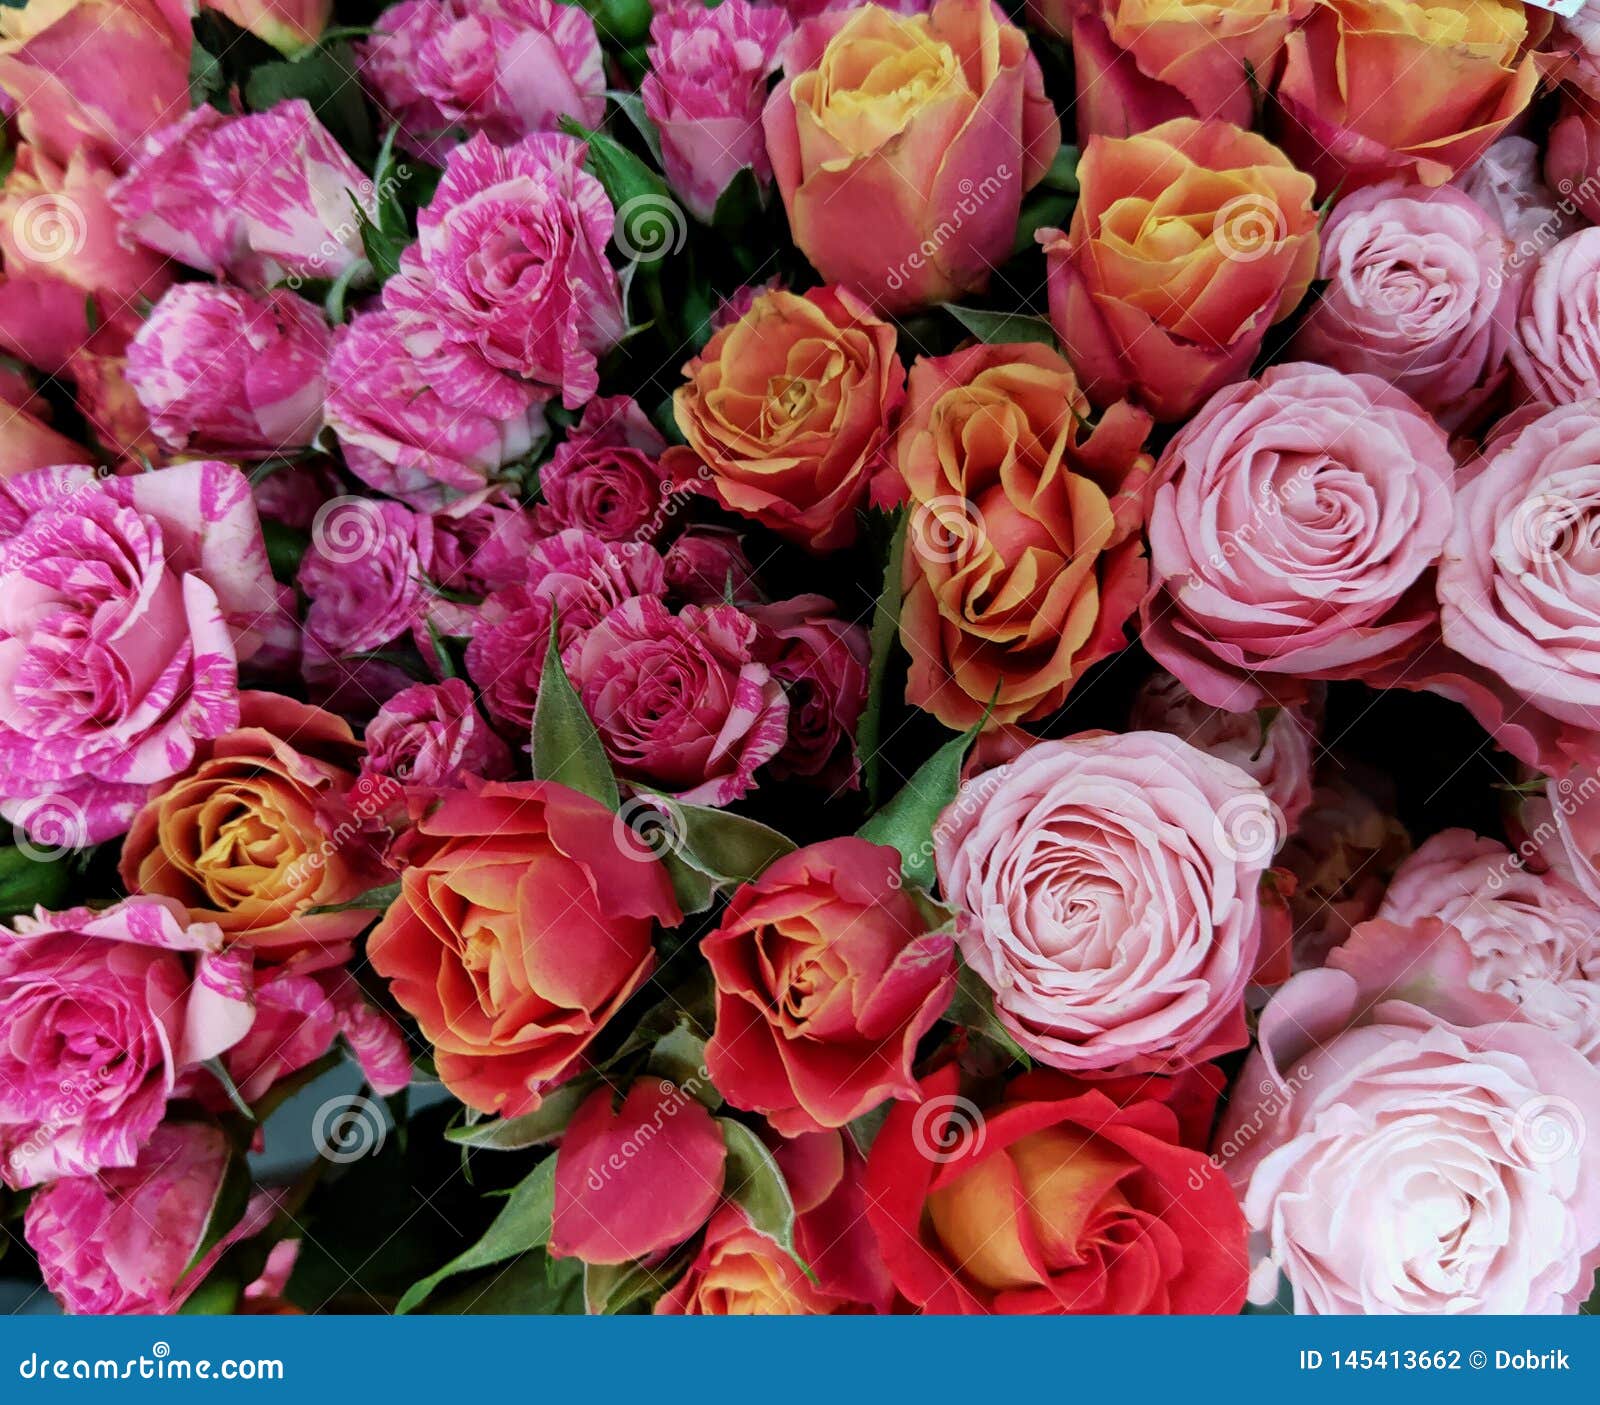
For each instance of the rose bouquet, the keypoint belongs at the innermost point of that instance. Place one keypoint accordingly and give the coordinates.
(800, 657)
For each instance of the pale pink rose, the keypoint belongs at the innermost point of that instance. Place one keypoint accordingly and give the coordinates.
(572, 577)
(432, 735)
(400, 437)
(1421, 291)
(679, 701)
(101, 1013)
(290, 26)
(1295, 517)
(1274, 749)
(1506, 184)
(705, 89)
(366, 574)
(259, 199)
(709, 566)
(1572, 162)
(509, 274)
(606, 477)
(506, 68)
(220, 371)
(129, 1241)
(821, 660)
(1519, 586)
(1403, 1144)
(1107, 892)
(1577, 40)
(1534, 938)
(126, 607)
(1555, 351)
(1563, 829)
(98, 75)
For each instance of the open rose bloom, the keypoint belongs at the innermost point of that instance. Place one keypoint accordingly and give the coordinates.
(803, 657)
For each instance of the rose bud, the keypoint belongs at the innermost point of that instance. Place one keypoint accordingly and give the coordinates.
(1554, 350)
(635, 1179)
(1572, 155)
(505, 68)
(366, 574)
(709, 566)
(219, 371)
(432, 735)
(827, 977)
(103, 1012)
(786, 412)
(705, 89)
(821, 660)
(1188, 242)
(903, 145)
(606, 476)
(1373, 89)
(290, 26)
(509, 984)
(1062, 1199)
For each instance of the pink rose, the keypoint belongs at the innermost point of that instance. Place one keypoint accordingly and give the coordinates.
(574, 577)
(1506, 185)
(1273, 748)
(400, 437)
(1107, 891)
(129, 1240)
(1519, 586)
(1572, 157)
(1402, 1146)
(219, 371)
(679, 701)
(1554, 350)
(366, 573)
(1421, 292)
(821, 660)
(260, 198)
(505, 68)
(103, 1013)
(1294, 516)
(126, 606)
(705, 89)
(293, 493)
(735, 305)
(607, 477)
(432, 735)
(509, 274)
(709, 566)
(1533, 938)
(481, 544)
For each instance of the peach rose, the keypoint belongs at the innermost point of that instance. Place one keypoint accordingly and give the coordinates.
(1023, 557)
(1189, 241)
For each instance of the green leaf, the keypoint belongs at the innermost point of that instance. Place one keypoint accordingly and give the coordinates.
(973, 1008)
(538, 1128)
(26, 882)
(650, 225)
(207, 81)
(522, 1224)
(694, 891)
(1063, 172)
(631, 105)
(611, 1288)
(227, 1208)
(220, 1073)
(728, 849)
(740, 204)
(327, 80)
(997, 328)
(1044, 209)
(753, 1182)
(374, 899)
(566, 747)
(885, 628)
(532, 1285)
(216, 1297)
(679, 1056)
(906, 822)
(864, 1129)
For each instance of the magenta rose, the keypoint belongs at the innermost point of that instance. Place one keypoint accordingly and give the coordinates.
(126, 607)
(481, 544)
(1421, 291)
(679, 701)
(709, 566)
(432, 735)
(1107, 892)
(101, 1014)
(1555, 350)
(705, 89)
(509, 275)
(821, 660)
(219, 371)
(401, 437)
(572, 577)
(258, 199)
(506, 68)
(606, 477)
(1402, 1146)
(1294, 518)
(1519, 586)
(365, 573)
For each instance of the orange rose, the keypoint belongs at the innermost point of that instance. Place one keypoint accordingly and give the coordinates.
(1189, 241)
(524, 922)
(264, 825)
(786, 412)
(1023, 558)
(1374, 89)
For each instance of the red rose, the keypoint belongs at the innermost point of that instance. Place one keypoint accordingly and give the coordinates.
(827, 976)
